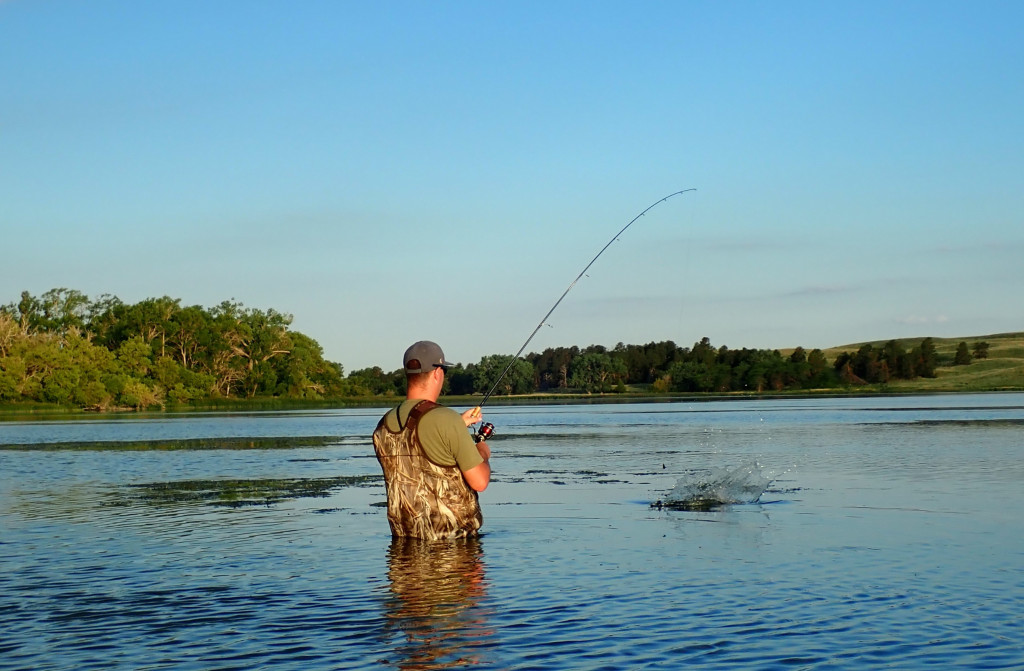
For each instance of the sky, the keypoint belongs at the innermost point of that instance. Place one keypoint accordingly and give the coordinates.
(388, 172)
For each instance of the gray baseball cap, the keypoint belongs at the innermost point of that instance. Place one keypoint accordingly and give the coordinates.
(423, 357)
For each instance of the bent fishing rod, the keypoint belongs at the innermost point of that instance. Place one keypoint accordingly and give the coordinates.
(487, 429)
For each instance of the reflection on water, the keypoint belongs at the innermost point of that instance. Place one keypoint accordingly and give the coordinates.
(436, 593)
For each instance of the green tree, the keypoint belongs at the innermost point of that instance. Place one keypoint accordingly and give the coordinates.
(899, 362)
(820, 375)
(375, 382)
(66, 370)
(188, 333)
(94, 364)
(518, 380)
(799, 368)
(62, 348)
(596, 372)
(249, 339)
(551, 367)
(29, 311)
(135, 355)
(148, 318)
(54, 312)
(181, 385)
(691, 376)
(138, 395)
(768, 370)
(703, 352)
(64, 309)
(459, 379)
(12, 374)
(981, 350)
(962, 356)
(11, 332)
(303, 372)
(102, 318)
(926, 359)
(868, 365)
(844, 370)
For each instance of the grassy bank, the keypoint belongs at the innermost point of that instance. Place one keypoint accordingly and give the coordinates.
(1003, 370)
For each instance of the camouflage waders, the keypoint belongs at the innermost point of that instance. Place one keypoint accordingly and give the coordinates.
(425, 500)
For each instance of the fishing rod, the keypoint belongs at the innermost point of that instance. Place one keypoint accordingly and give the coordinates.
(487, 429)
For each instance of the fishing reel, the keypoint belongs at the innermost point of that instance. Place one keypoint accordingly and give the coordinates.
(485, 431)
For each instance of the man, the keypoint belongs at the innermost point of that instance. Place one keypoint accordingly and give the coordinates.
(432, 467)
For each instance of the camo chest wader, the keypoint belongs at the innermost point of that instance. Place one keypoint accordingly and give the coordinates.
(425, 500)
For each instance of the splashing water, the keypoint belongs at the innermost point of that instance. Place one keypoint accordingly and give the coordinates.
(722, 486)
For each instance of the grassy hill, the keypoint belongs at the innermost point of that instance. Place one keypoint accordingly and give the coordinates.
(1003, 370)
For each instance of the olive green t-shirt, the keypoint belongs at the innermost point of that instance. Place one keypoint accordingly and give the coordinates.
(443, 435)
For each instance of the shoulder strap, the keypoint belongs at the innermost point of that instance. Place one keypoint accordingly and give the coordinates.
(418, 410)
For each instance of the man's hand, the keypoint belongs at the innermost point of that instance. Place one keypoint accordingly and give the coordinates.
(472, 416)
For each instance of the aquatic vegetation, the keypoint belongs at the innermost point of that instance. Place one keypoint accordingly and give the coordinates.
(563, 476)
(236, 493)
(230, 443)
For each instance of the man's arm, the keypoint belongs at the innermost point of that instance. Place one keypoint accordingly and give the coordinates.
(479, 476)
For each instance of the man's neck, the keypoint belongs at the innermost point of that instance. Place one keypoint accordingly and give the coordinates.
(420, 394)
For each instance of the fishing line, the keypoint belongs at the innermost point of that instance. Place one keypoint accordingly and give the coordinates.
(566, 292)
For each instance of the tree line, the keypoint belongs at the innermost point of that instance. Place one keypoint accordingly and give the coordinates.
(664, 367)
(66, 349)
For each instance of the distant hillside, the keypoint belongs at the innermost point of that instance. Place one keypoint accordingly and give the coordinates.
(1003, 370)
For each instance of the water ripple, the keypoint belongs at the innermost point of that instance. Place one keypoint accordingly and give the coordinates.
(893, 540)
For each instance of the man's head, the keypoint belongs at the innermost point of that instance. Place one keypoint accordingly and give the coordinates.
(422, 361)
(423, 357)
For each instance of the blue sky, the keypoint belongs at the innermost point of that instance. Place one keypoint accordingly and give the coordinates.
(395, 171)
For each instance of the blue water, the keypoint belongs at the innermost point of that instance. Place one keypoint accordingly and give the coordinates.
(890, 536)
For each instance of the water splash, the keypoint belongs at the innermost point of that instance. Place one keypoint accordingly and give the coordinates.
(719, 487)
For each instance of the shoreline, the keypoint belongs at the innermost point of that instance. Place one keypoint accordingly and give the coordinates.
(15, 412)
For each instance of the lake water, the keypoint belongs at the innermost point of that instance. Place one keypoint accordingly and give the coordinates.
(890, 536)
